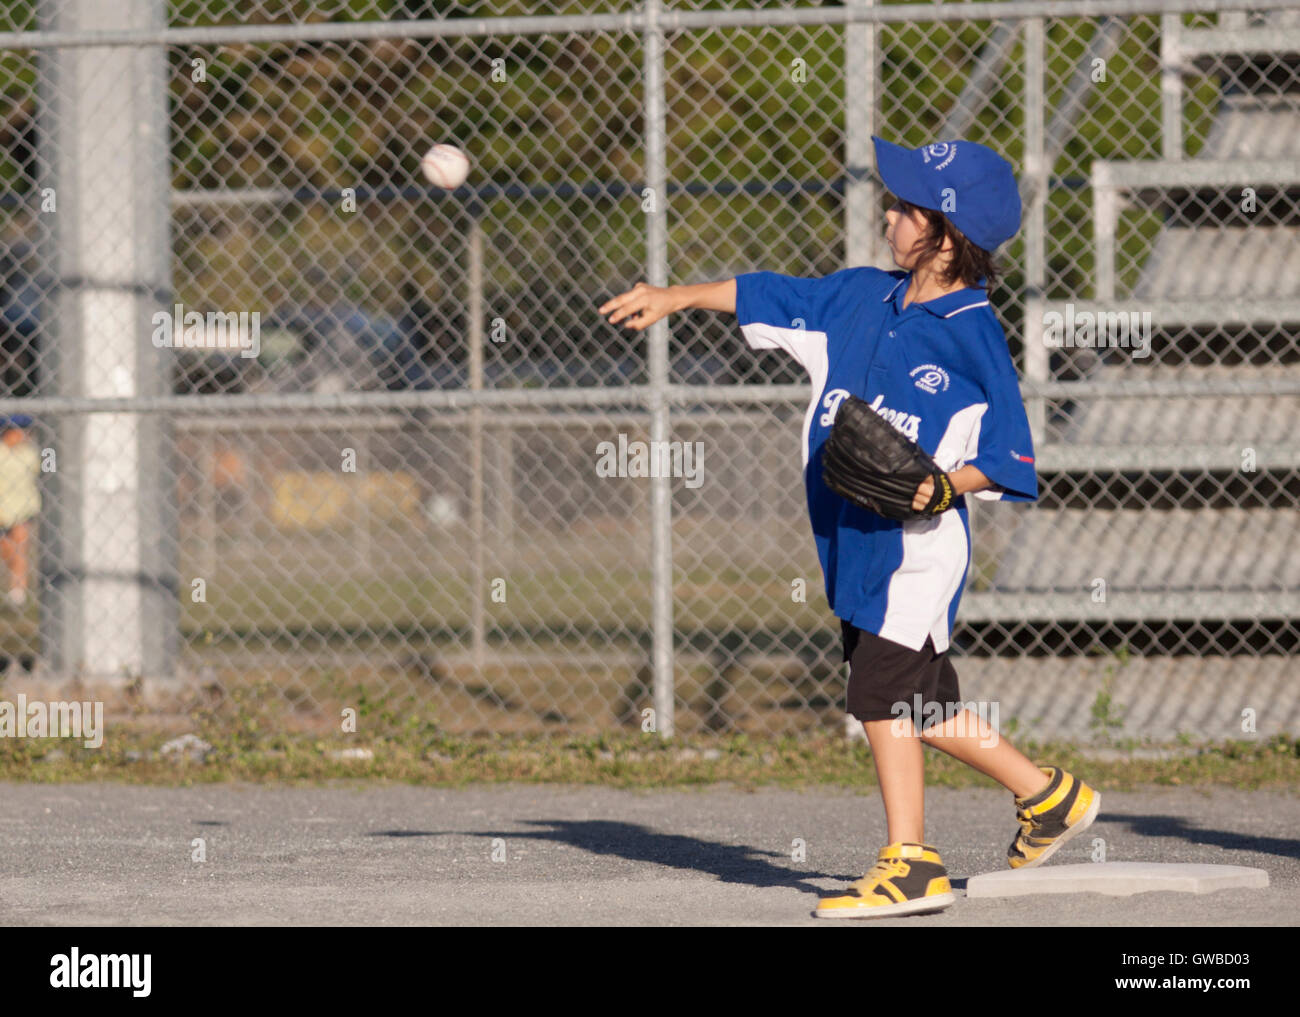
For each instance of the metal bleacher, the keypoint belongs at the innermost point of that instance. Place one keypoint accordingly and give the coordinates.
(1161, 467)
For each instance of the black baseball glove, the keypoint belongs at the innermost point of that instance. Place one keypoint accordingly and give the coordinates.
(866, 460)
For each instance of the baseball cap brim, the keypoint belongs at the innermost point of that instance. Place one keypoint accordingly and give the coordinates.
(897, 168)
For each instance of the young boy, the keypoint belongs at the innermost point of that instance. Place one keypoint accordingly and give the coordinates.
(921, 345)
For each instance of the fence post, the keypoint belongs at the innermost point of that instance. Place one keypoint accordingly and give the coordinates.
(1105, 221)
(478, 612)
(661, 532)
(1037, 172)
(1171, 87)
(861, 193)
(111, 604)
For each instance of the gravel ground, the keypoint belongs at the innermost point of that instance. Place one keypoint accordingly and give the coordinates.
(546, 855)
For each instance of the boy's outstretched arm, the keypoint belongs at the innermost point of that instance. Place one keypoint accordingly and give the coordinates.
(644, 304)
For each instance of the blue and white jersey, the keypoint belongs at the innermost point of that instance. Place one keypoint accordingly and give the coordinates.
(941, 373)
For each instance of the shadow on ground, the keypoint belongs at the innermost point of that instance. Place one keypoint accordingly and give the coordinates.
(730, 863)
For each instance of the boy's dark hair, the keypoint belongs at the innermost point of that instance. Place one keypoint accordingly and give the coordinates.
(969, 263)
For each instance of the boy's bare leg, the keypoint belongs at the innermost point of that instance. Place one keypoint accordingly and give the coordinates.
(970, 738)
(900, 768)
(900, 765)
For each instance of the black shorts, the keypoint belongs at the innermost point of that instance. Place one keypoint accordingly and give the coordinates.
(885, 677)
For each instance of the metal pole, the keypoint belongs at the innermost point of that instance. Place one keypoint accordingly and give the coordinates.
(478, 616)
(984, 80)
(112, 608)
(661, 535)
(364, 493)
(1105, 220)
(862, 225)
(1171, 87)
(208, 508)
(1037, 364)
(505, 478)
(301, 33)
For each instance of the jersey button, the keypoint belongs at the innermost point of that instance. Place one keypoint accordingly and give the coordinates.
(892, 334)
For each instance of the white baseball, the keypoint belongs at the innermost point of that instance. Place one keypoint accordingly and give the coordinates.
(445, 166)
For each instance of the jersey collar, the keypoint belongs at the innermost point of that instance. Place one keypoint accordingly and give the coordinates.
(941, 307)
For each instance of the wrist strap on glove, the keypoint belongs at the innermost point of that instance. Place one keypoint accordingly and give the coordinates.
(942, 496)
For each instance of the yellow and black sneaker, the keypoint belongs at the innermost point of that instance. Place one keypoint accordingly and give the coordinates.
(906, 879)
(1066, 807)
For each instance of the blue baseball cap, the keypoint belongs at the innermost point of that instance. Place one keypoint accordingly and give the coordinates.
(968, 182)
(15, 420)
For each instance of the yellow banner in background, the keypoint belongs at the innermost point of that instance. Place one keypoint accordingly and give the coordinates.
(318, 499)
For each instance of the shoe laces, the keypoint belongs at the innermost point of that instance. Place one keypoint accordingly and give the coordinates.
(885, 868)
(1028, 822)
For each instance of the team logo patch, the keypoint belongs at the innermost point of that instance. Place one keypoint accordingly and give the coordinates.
(929, 378)
(1023, 459)
(942, 150)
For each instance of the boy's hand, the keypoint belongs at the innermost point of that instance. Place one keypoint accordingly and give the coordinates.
(646, 303)
(964, 481)
(923, 493)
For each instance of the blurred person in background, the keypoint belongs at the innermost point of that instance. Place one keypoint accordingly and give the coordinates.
(20, 501)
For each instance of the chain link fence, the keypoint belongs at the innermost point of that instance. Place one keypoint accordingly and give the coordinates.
(393, 491)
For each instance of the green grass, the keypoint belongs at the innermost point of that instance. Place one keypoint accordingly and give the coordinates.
(420, 755)
(608, 597)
